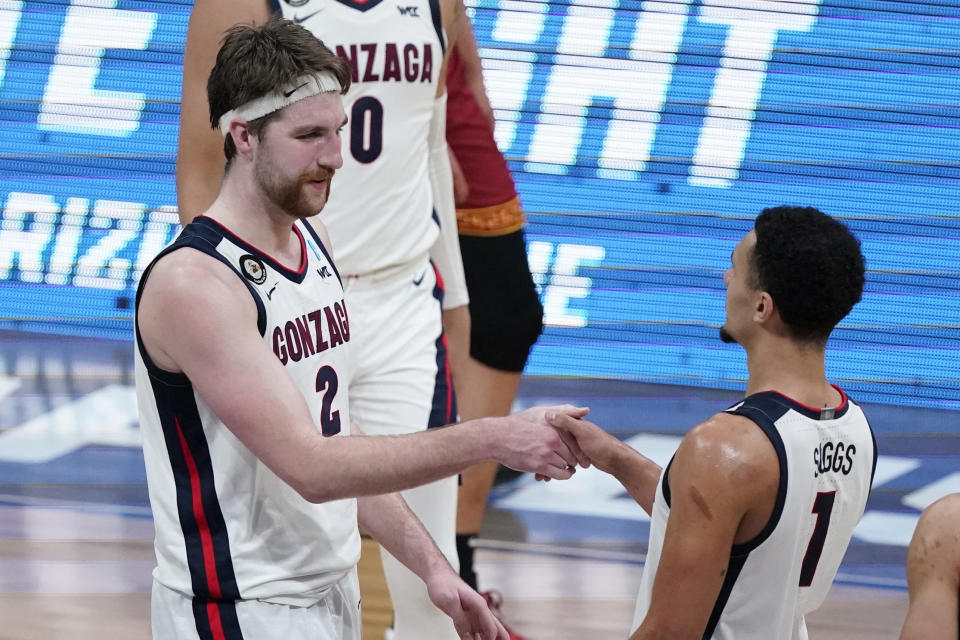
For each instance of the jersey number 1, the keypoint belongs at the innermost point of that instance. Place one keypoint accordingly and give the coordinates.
(823, 507)
(327, 384)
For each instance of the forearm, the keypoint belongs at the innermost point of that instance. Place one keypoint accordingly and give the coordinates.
(637, 473)
(343, 467)
(472, 66)
(446, 250)
(389, 520)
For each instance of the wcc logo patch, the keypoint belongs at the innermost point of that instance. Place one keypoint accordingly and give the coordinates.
(253, 269)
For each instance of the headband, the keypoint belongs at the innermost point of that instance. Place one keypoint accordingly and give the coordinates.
(305, 86)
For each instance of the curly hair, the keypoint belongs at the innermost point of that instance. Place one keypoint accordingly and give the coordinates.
(254, 61)
(812, 267)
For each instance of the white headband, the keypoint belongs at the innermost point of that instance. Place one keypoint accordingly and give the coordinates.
(303, 87)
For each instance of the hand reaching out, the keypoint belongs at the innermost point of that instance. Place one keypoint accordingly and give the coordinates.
(527, 442)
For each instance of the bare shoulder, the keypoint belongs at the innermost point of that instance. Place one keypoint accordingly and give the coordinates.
(938, 532)
(323, 234)
(188, 273)
(730, 447)
(185, 294)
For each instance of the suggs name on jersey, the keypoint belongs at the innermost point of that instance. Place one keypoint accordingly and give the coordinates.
(833, 456)
(305, 336)
(388, 62)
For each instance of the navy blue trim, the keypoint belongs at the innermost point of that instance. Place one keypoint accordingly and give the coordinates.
(812, 412)
(294, 276)
(201, 619)
(764, 409)
(360, 6)
(436, 218)
(734, 568)
(228, 618)
(229, 622)
(444, 406)
(326, 254)
(203, 238)
(876, 453)
(273, 6)
(665, 482)
(438, 23)
(178, 405)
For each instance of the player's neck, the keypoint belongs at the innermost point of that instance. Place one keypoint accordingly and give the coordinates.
(249, 215)
(797, 372)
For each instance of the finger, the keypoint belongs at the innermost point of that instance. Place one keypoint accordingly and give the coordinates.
(561, 421)
(541, 478)
(558, 473)
(501, 631)
(489, 623)
(582, 459)
(574, 412)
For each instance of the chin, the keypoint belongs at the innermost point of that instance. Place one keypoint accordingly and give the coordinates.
(726, 336)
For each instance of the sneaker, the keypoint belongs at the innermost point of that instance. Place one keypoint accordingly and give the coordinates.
(494, 599)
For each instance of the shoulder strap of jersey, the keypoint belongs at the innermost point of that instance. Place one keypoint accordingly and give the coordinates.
(320, 245)
(764, 409)
(204, 238)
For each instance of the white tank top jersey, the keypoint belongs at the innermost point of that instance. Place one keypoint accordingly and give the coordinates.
(227, 527)
(380, 211)
(827, 460)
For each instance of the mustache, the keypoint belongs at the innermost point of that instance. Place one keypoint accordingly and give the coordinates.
(317, 176)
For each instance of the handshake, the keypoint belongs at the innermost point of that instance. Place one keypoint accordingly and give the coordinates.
(549, 441)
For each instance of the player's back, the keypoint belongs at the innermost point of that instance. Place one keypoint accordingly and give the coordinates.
(380, 209)
(227, 527)
(827, 458)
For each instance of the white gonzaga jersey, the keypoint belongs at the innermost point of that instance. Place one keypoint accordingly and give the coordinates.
(380, 211)
(827, 459)
(227, 528)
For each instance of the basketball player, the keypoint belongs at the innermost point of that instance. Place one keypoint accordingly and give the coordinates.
(392, 211)
(933, 573)
(243, 337)
(505, 311)
(752, 516)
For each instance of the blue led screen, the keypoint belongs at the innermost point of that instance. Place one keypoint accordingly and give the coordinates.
(643, 136)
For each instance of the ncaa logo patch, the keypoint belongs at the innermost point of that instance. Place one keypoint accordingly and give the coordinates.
(253, 269)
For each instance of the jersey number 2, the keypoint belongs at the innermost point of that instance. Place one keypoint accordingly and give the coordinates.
(327, 384)
(823, 507)
(366, 117)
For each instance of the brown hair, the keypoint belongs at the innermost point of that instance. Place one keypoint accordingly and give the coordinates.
(255, 61)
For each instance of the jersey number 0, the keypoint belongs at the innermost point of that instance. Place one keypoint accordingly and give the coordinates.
(366, 129)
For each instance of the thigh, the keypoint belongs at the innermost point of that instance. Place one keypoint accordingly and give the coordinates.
(506, 316)
(400, 381)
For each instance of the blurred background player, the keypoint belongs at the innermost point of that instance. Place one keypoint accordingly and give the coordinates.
(505, 311)
(752, 516)
(933, 573)
(391, 212)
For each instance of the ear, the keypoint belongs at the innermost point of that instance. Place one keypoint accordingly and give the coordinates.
(763, 308)
(242, 139)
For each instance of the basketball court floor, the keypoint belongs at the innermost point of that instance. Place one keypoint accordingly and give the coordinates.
(76, 534)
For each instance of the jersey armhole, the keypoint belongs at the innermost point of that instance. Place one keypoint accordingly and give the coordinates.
(438, 24)
(203, 244)
(767, 424)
